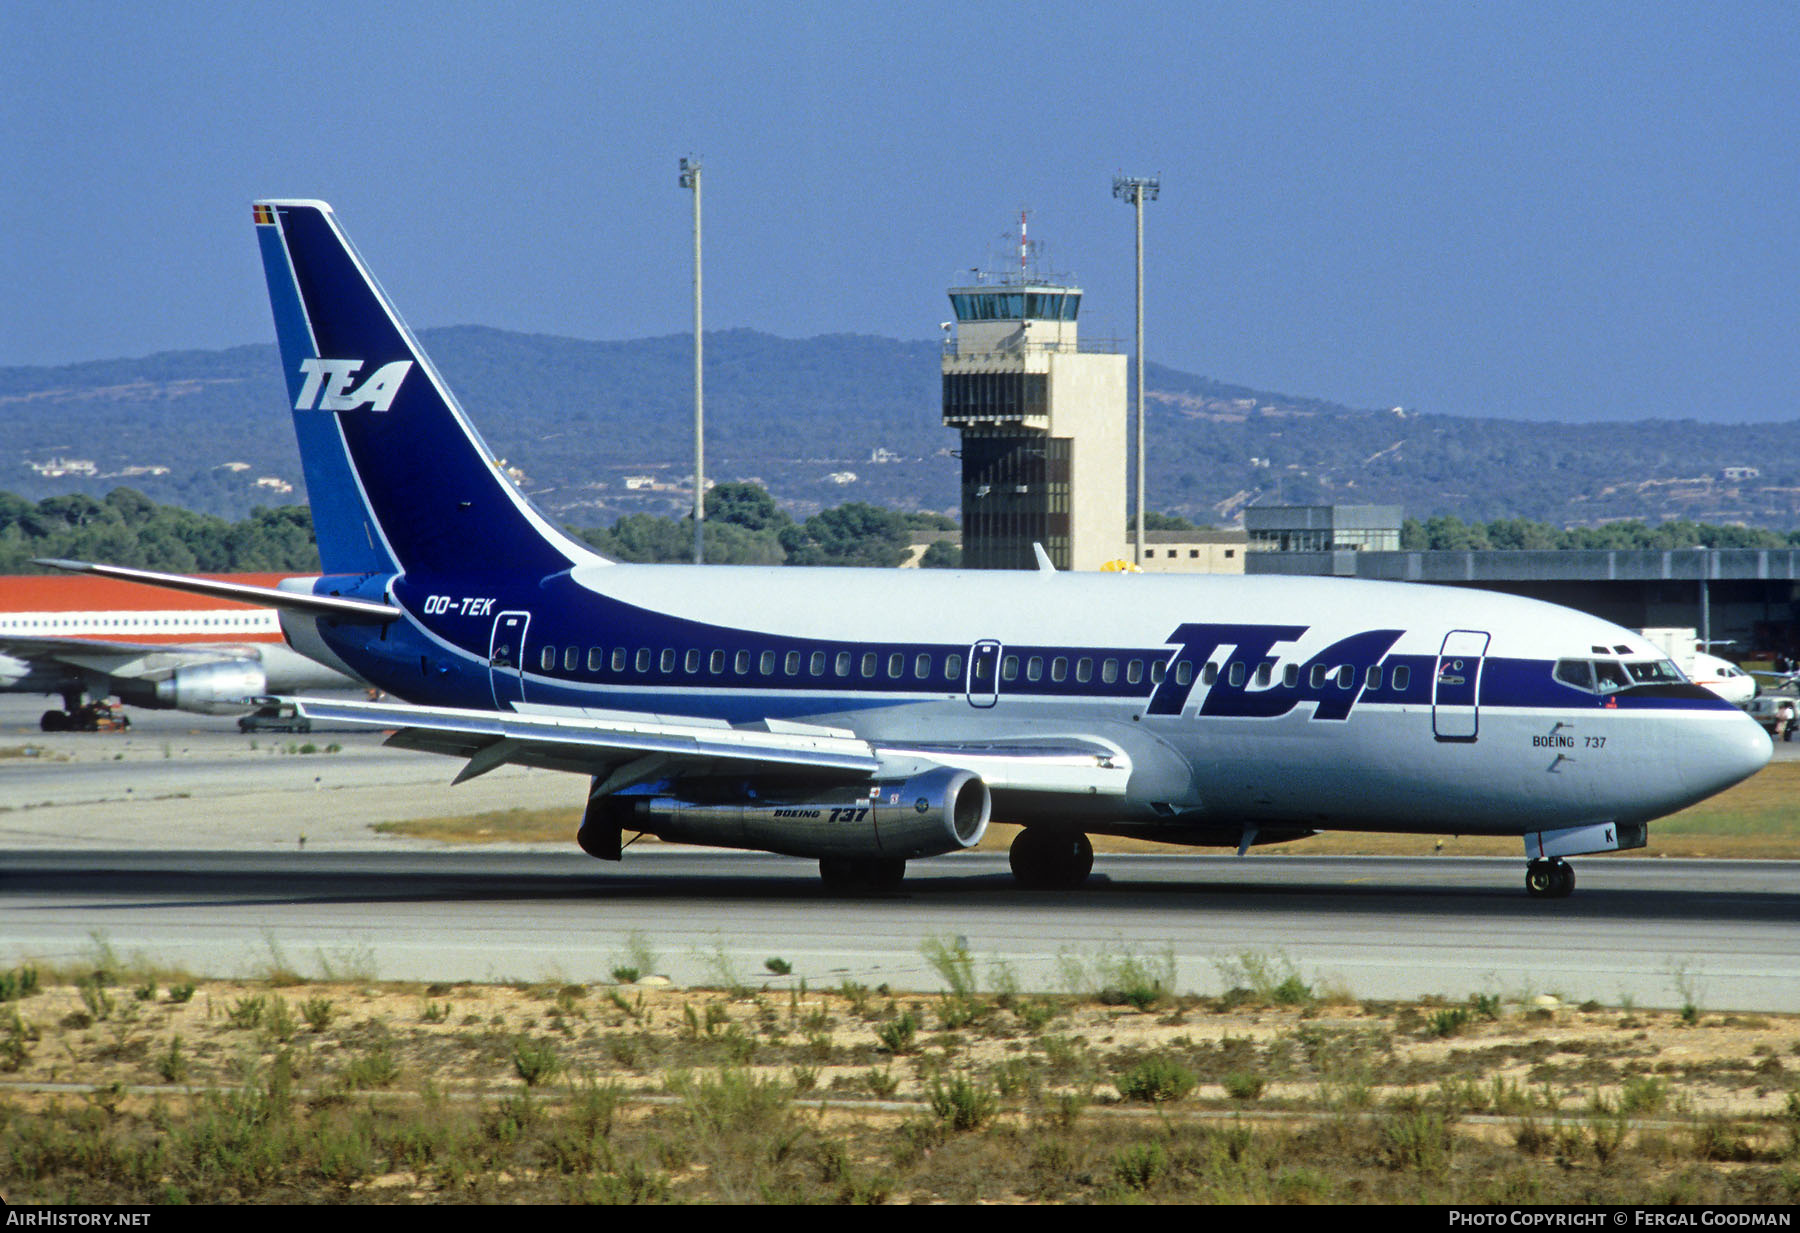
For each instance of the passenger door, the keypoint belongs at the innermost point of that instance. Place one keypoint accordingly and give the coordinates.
(1456, 687)
(506, 659)
(984, 673)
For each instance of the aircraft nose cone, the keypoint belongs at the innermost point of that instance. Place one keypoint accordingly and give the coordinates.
(1739, 749)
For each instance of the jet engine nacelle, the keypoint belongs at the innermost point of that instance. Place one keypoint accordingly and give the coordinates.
(929, 814)
(220, 688)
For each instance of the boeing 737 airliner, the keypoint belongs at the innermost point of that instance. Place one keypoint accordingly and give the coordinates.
(866, 718)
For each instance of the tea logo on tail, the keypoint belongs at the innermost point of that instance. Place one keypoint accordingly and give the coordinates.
(334, 377)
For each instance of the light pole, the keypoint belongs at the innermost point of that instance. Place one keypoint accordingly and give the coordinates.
(690, 178)
(1136, 190)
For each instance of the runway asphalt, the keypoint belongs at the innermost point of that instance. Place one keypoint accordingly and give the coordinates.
(181, 840)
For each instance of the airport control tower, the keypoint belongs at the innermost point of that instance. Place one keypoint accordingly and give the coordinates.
(1042, 422)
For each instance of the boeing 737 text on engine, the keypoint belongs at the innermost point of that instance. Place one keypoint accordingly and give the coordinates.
(866, 718)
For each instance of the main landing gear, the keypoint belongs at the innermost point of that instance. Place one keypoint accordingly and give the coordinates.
(1051, 860)
(851, 873)
(1549, 879)
(85, 717)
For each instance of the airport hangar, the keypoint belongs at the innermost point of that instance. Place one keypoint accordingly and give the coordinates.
(1747, 599)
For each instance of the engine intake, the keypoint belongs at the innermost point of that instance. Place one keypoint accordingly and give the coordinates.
(938, 811)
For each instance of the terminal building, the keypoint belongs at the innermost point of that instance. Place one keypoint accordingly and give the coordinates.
(1323, 528)
(1042, 420)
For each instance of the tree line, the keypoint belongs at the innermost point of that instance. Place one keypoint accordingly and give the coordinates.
(1446, 531)
(744, 526)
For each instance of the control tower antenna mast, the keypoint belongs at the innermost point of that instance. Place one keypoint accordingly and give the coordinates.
(690, 178)
(1136, 190)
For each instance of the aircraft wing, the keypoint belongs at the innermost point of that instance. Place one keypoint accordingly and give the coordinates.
(131, 660)
(624, 750)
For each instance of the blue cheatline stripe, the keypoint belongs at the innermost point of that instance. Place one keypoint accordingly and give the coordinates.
(567, 616)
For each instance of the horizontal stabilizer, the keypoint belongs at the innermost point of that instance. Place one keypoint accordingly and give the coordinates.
(338, 606)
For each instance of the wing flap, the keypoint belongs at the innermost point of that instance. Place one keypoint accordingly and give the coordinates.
(1072, 765)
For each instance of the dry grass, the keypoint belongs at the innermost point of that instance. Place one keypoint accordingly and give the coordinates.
(356, 1092)
(500, 826)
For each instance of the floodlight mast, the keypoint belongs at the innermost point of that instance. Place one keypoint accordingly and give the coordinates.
(1136, 190)
(690, 178)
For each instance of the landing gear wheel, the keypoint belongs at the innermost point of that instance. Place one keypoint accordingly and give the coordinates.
(1551, 879)
(1050, 860)
(850, 873)
(54, 721)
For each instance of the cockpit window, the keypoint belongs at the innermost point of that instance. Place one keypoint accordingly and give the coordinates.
(1609, 676)
(1654, 672)
(1576, 672)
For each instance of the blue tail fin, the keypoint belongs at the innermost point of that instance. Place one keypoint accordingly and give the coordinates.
(398, 478)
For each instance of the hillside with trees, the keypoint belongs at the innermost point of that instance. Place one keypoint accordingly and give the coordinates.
(599, 431)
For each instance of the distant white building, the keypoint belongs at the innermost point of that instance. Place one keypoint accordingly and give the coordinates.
(64, 466)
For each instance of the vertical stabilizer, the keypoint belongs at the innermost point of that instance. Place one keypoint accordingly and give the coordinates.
(398, 478)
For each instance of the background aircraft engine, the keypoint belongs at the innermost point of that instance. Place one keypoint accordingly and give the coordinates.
(214, 689)
(927, 815)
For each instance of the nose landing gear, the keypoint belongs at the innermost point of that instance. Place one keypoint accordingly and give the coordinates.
(1043, 859)
(1549, 879)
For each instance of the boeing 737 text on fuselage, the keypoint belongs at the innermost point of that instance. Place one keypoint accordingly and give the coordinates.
(866, 718)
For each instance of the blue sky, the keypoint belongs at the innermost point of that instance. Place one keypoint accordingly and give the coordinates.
(1570, 211)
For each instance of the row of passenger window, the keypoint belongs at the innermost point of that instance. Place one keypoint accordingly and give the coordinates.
(768, 663)
(1321, 675)
(869, 667)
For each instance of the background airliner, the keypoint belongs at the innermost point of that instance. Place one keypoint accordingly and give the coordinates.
(866, 718)
(85, 639)
(1724, 678)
